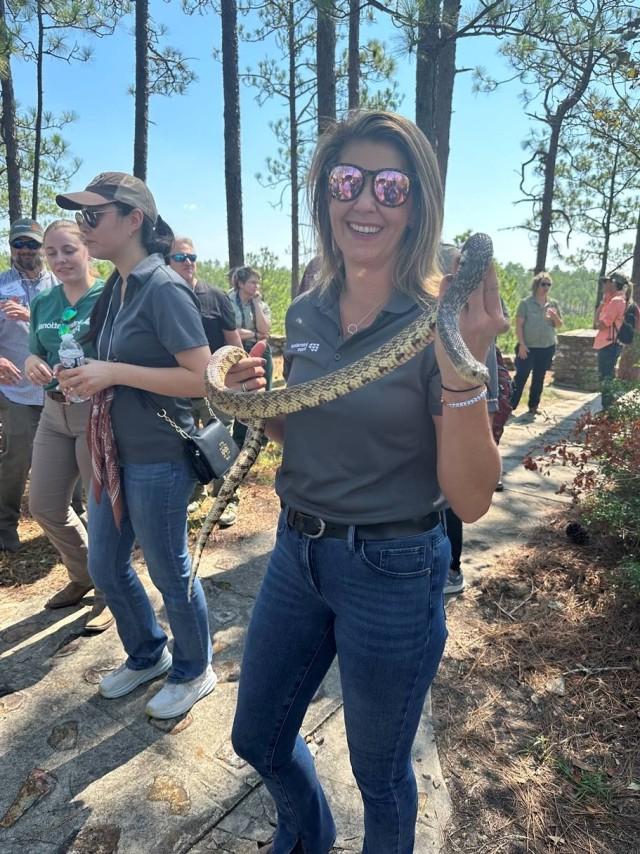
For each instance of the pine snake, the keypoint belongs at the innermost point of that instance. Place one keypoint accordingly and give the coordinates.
(475, 258)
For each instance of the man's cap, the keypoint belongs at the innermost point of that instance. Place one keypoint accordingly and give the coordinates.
(112, 187)
(26, 228)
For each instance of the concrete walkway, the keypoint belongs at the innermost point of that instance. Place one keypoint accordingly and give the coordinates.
(92, 776)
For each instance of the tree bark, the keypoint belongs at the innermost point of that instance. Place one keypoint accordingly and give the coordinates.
(293, 141)
(232, 151)
(37, 144)
(325, 64)
(8, 128)
(426, 66)
(353, 71)
(141, 129)
(629, 368)
(445, 78)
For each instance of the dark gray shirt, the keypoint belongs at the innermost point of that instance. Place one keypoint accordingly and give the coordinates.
(370, 456)
(159, 318)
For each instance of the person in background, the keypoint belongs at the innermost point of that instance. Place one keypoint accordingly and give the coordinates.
(253, 317)
(608, 319)
(60, 449)
(219, 321)
(152, 354)
(21, 400)
(537, 320)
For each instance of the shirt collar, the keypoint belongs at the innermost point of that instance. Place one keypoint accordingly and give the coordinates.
(326, 301)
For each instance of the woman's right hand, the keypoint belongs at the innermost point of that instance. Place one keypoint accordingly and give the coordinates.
(248, 373)
(37, 371)
(523, 352)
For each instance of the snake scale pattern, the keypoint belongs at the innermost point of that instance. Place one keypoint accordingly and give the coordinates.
(475, 257)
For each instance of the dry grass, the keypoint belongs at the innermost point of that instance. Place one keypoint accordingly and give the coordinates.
(537, 704)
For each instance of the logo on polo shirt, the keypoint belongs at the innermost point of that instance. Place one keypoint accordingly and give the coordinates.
(302, 346)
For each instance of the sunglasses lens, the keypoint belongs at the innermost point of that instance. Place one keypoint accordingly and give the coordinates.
(391, 187)
(181, 257)
(69, 313)
(25, 244)
(345, 182)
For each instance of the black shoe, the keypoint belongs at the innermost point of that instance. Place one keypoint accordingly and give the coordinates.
(499, 486)
(9, 541)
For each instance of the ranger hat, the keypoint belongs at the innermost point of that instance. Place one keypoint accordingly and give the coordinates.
(26, 228)
(112, 187)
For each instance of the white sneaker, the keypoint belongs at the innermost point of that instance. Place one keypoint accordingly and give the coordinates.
(176, 698)
(123, 680)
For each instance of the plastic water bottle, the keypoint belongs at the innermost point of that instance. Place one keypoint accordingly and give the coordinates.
(71, 355)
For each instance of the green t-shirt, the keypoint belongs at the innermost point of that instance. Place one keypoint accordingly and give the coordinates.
(47, 311)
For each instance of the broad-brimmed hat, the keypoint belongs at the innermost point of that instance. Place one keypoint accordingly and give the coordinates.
(112, 187)
(26, 228)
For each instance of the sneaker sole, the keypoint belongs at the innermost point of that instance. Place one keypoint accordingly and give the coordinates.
(160, 671)
(205, 689)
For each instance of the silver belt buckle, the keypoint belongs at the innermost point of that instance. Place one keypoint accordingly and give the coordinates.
(323, 528)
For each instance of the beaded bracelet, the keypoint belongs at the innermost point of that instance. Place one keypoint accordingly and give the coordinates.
(462, 403)
(460, 390)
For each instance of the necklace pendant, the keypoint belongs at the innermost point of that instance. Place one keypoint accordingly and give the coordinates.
(352, 328)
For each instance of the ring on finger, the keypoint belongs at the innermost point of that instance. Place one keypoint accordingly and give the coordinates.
(244, 387)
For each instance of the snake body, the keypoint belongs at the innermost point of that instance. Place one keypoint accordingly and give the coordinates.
(475, 257)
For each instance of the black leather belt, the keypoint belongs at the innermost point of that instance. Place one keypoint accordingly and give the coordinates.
(314, 527)
(57, 396)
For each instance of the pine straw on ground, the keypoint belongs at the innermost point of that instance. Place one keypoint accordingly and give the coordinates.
(537, 704)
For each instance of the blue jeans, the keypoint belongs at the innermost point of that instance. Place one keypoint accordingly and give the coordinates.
(607, 358)
(379, 606)
(155, 497)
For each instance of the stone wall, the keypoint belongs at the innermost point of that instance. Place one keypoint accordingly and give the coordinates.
(575, 364)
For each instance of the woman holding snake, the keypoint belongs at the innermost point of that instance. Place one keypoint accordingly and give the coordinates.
(361, 557)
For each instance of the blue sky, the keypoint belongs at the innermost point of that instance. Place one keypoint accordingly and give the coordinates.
(186, 157)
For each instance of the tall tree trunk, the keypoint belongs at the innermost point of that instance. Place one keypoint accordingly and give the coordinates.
(141, 129)
(353, 71)
(37, 145)
(232, 152)
(446, 73)
(604, 260)
(293, 141)
(8, 124)
(325, 64)
(426, 67)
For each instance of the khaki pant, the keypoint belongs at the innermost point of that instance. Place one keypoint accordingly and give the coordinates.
(60, 453)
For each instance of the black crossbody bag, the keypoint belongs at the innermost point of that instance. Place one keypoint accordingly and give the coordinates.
(211, 450)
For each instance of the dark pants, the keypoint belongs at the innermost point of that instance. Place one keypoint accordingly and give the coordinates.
(607, 358)
(19, 425)
(537, 364)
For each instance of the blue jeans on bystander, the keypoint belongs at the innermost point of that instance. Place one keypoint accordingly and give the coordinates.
(378, 605)
(155, 499)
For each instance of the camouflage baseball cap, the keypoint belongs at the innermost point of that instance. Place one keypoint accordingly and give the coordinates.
(26, 228)
(112, 187)
(619, 280)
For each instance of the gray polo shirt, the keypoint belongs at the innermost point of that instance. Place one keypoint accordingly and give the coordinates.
(159, 318)
(370, 456)
(537, 331)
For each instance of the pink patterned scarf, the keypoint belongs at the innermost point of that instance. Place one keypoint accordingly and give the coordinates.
(104, 453)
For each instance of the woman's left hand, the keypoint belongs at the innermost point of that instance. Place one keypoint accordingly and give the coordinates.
(88, 379)
(481, 320)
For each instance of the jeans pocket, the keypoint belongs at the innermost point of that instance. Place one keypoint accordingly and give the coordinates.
(401, 558)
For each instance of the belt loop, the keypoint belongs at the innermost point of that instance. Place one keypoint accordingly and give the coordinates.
(351, 539)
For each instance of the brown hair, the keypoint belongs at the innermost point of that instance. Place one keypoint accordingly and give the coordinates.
(417, 270)
(239, 275)
(539, 279)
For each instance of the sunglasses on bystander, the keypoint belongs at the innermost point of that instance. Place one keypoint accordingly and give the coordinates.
(90, 216)
(181, 257)
(26, 243)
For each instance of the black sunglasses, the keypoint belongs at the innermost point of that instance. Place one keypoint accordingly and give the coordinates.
(544, 284)
(181, 257)
(91, 216)
(25, 243)
(390, 186)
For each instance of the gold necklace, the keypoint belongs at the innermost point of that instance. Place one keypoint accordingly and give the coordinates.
(352, 328)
